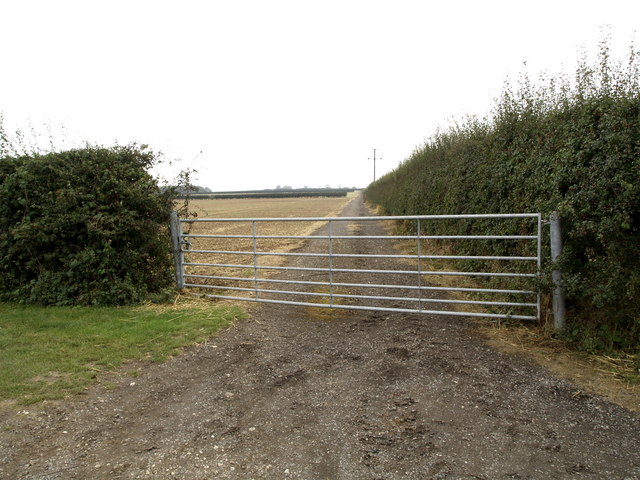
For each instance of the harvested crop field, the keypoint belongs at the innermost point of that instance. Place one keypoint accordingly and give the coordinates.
(272, 207)
(257, 208)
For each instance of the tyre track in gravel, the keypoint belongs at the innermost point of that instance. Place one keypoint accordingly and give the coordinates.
(350, 395)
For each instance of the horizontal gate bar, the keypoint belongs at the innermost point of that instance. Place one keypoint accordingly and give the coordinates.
(354, 270)
(367, 285)
(379, 309)
(363, 255)
(368, 237)
(364, 297)
(360, 219)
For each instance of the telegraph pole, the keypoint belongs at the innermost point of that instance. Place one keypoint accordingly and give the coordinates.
(374, 164)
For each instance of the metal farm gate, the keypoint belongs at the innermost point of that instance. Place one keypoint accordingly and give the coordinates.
(363, 263)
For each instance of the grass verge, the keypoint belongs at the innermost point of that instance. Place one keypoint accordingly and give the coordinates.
(48, 353)
(616, 378)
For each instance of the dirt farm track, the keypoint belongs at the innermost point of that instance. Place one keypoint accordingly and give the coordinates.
(351, 395)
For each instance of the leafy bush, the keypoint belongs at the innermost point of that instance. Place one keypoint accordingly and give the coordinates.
(85, 226)
(571, 147)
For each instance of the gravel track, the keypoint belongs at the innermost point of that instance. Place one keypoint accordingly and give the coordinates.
(350, 395)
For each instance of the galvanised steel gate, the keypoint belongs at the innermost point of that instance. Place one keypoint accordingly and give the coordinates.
(242, 270)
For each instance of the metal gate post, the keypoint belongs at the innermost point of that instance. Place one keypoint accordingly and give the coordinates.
(559, 312)
(176, 242)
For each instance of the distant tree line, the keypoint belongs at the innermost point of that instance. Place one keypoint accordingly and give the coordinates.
(183, 190)
(282, 192)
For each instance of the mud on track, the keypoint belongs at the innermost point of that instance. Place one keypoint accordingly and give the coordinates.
(354, 395)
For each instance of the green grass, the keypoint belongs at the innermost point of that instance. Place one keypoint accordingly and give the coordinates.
(52, 352)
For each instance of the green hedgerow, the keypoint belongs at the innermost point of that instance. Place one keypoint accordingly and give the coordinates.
(566, 146)
(85, 226)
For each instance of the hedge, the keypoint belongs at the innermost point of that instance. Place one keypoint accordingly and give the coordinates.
(84, 226)
(571, 147)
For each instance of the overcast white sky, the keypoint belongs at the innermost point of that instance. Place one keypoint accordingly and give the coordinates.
(259, 93)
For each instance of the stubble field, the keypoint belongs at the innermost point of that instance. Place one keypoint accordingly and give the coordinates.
(254, 208)
(270, 207)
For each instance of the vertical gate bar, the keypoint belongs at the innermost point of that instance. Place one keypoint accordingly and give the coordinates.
(539, 300)
(330, 263)
(419, 270)
(255, 258)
